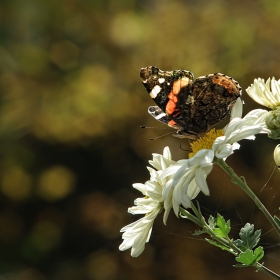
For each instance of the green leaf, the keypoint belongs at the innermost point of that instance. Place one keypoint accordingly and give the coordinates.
(259, 253)
(215, 243)
(198, 232)
(250, 257)
(249, 238)
(223, 227)
(211, 222)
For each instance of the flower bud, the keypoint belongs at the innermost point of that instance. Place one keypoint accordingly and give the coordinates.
(273, 123)
(276, 155)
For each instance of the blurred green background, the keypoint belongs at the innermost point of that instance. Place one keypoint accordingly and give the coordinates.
(71, 104)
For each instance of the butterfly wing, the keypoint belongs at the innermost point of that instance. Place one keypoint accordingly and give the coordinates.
(169, 90)
(213, 96)
(160, 116)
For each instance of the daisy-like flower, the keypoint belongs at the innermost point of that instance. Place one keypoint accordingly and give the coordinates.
(268, 94)
(189, 176)
(265, 93)
(138, 233)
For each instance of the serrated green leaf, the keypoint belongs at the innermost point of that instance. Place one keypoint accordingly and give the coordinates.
(250, 257)
(219, 233)
(247, 257)
(259, 253)
(239, 243)
(211, 222)
(249, 238)
(223, 225)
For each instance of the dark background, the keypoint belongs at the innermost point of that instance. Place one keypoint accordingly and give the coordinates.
(71, 105)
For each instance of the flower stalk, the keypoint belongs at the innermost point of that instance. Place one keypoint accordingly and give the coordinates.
(243, 185)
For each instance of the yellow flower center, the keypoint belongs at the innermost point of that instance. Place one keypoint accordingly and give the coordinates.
(206, 141)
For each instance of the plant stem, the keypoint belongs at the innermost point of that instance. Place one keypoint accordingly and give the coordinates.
(242, 184)
(268, 272)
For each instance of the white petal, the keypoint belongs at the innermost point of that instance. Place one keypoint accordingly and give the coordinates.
(235, 146)
(153, 189)
(176, 206)
(257, 113)
(153, 173)
(237, 109)
(208, 158)
(218, 142)
(138, 233)
(167, 211)
(170, 171)
(224, 151)
(186, 201)
(267, 94)
(156, 162)
(275, 87)
(200, 179)
(140, 187)
(244, 133)
(142, 208)
(193, 190)
(181, 189)
(167, 153)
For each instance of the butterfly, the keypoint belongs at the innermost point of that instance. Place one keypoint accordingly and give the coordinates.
(191, 106)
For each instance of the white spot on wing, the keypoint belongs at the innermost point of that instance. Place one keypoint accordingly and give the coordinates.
(155, 91)
(161, 80)
(160, 116)
(186, 79)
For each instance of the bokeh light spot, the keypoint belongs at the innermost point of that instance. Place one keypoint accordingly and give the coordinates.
(129, 29)
(56, 183)
(16, 183)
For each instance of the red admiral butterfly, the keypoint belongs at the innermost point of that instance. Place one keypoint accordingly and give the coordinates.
(192, 107)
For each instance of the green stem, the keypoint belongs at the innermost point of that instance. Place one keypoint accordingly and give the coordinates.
(200, 221)
(268, 271)
(242, 184)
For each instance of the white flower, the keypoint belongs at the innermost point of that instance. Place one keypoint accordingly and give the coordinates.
(188, 177)
(138, 233)
(266, 94)
(240, 128)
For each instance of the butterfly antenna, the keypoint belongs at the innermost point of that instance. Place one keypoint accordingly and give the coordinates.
(158, 128)
(162, 135)
(154, 127)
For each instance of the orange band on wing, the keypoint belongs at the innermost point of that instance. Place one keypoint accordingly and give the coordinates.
(171, 106)
(226, 83)
(172, 123)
